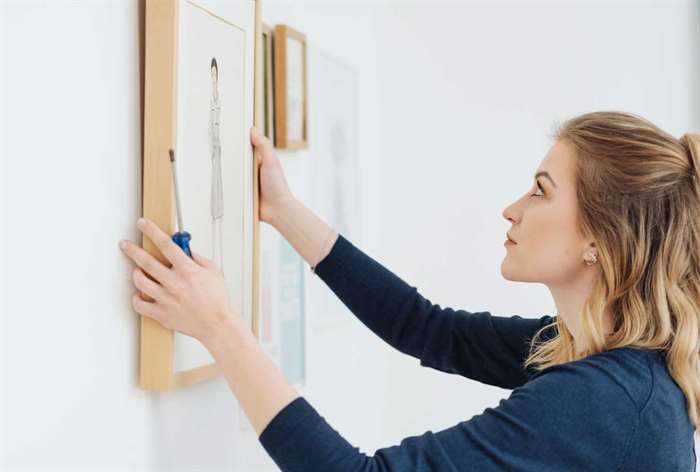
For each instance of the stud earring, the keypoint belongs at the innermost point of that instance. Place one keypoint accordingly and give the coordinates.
(593, 260)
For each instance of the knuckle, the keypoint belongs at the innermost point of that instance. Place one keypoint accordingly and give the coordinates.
(176, 289)
(162, 318)
(163, 241)
(148, 264)
(189, 271)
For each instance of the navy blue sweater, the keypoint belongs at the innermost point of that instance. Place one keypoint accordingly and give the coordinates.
(618, 410)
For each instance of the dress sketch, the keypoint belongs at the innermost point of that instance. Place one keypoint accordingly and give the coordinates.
(217, 197)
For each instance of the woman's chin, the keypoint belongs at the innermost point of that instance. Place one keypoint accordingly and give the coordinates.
(507, 271)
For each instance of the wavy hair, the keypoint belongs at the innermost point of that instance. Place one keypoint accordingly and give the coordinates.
(638, 194)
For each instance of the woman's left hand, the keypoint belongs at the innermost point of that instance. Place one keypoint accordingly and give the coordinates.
(189, 297)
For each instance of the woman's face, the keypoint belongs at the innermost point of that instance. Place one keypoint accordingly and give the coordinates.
(549, 249)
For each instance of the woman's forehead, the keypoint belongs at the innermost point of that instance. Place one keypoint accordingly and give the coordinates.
(559, 163)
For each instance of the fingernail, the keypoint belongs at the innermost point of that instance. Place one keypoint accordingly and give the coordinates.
(140, 222)
(122, 244)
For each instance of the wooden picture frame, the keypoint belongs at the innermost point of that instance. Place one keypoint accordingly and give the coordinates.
(268, 81)
(290, 88)
(160, 134)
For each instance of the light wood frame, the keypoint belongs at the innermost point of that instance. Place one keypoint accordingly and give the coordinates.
(281, 33)
(159, 134)
(269, 84)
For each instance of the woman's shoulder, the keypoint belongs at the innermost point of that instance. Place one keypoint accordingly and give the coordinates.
(606, 374)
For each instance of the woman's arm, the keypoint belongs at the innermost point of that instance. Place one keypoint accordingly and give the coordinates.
(254, 379)
(190, 296)
(308, 234)
(575, 416)
(480, 346)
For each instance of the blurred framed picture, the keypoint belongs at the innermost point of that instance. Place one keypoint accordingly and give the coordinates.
(290, 88)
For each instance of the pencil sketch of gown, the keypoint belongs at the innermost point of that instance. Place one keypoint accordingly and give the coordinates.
(217, 197)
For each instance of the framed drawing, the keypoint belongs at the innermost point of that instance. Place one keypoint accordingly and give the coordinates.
(290, 88)
(292, 311)
(336, 165)
(283, 306)
(268, 87)
(337, 135)
(203, 92)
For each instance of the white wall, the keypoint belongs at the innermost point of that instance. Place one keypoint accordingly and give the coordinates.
(469, 93)
(456, 101)
(72, 172)
(3, 243)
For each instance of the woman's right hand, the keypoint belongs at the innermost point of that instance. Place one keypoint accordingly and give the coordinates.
(274, 191)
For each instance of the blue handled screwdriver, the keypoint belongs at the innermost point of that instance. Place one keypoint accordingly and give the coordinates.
(181, 237)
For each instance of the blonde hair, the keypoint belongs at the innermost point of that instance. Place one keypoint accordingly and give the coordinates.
(639, 200)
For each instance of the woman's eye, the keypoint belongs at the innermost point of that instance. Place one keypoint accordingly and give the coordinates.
(538, 194)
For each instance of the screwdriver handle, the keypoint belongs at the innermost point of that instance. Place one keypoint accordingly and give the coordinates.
(182, 239)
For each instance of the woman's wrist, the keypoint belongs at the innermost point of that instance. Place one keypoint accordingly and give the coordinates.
(309, 235)
(326, 247)
(253, 377)
(284, 206)
(233, 332)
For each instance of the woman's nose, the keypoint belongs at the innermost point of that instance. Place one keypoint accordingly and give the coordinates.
(508, 213)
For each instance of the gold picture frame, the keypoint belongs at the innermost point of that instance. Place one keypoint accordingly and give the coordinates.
(160, 126)
(290, 88)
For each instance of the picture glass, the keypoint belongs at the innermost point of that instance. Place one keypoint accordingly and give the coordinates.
(336, 166)
(295, 90)
(291, 313)
(211, 134)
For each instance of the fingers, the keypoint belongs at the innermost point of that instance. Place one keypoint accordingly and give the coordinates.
(148, 263)
(148, 286)
(170, 250)
(148, 309)
(203, 261)
(260, 141)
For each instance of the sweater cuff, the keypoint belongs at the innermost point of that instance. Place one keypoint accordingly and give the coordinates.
(279, 438)
(335, 259)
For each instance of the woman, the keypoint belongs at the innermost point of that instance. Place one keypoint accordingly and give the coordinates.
(611, 225)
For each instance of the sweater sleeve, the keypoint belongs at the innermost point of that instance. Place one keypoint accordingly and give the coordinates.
(570, 417)
(484, 347)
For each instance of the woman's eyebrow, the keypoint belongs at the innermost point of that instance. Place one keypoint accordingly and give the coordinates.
(545, 174)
